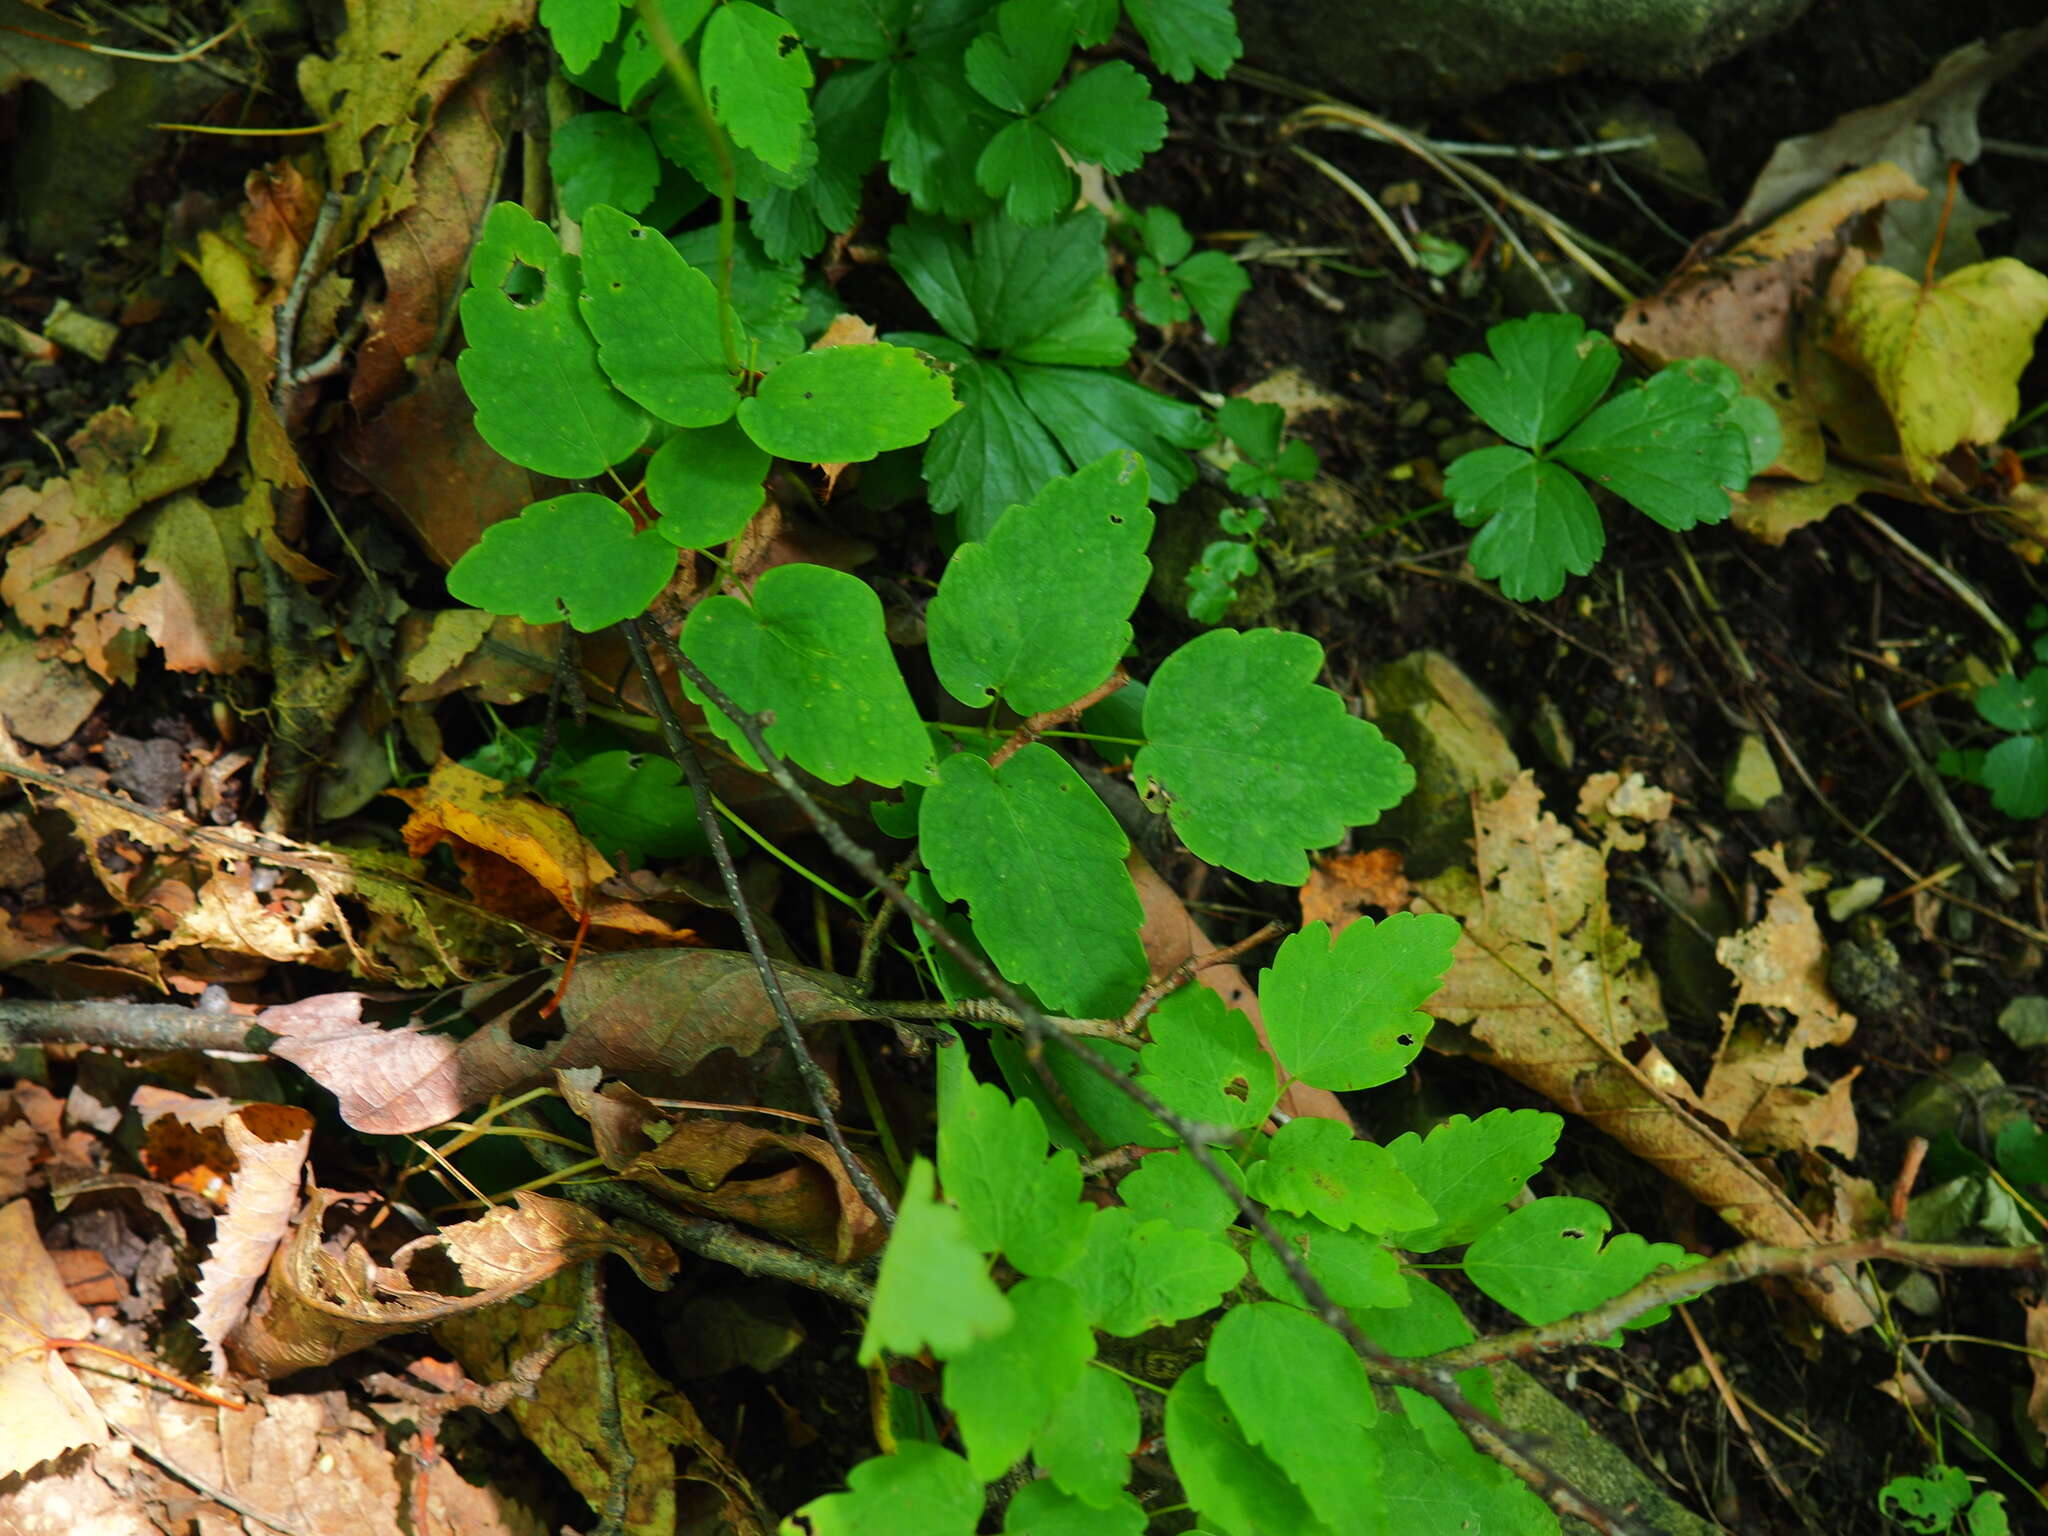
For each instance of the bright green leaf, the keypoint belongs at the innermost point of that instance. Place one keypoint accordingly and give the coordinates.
(2016, 773)
(922, 1490)
(1134, 1275)
(1318, 1168)
(1172, 1186)
(577, 553)
(1213, 283)
(1344, 1013)
(1106, 116)
(933, 1289)
(1013, 1199)
(1354, 1268)
(1206, 1061)
(1668, 449)
(1086, 1445)
(992, 455)
(1165, 236)
(812, 650)
(765, 298)
(579, 29)
(936, 130)
(627, 803)
(1545, 372)
(1253, 761)
(1116, 1121)
(1187, 35)
(655, 318)
(1004, 1389)
(845, 405)
(1540, 524)
(1093, 411)
(2015, 703)
(1016, 62)
(639, 60)
(1253, 425)
(1279, 1369)
(706, 484)
(1042, 295)
(758, 79)
(603, 157)
(1157, 300)
(836, 30)
(1469, 1170)
(1442, 1484)
(1040, 612)
(1039, 861)
(1023, 166)
(530, 366)
(1235, 1486)
(1546, 1261)
(1041, 1509)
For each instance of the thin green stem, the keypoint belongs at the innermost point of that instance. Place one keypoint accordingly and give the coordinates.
(785, 860)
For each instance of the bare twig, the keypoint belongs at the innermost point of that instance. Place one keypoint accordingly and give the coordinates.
(1435, 1384)
(982, 1010)
(1052, 719)
(1181, 974)
(1937, 795)
(1734, 1405)
(312, 262)
(816, 1085)
(595, 1326)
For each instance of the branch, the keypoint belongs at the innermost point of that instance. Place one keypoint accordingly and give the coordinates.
(1181, 974)
(128, 1026)
(1052, 719)
(1508, 1447)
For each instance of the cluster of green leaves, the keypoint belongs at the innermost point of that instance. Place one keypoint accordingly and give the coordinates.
(1173, 284)
(1262, 469)
(1024, 1373)
(1941, 1502)
(2016, 769)
(1672, 447)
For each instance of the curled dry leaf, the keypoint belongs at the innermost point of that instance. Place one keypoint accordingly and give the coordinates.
(319, 1305)
(1341, 887)
(1553, 991)
(44, 1412)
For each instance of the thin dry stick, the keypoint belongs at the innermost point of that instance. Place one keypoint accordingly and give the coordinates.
(1052, 719)
(816, 1085)
(1937, 796)
(1503, 1444)
(199, 1484)
(1734, 1406)
(1181, 974)
(593, 1324)
(286, 316)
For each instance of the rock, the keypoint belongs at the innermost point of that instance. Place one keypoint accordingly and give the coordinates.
(2025, 1021)
(1457, 740)
(1865, 973)
(1377, 51)
(1752, 780)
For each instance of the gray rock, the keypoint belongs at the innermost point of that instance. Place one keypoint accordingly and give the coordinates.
(1456, 738)
(1377, 51)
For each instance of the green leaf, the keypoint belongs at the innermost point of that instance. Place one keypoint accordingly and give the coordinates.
(1278, 1370)
(681, 134)
(1546, 1261)
(1023, 166)
(603, 157)
(1213, 283)
(764, 292)
(1040, 612)
(1040, 295)
(1355, 1268)
(1469, 1170)
(1236, 1487)
(1253, 761)
(1442, 1484)
(1116, 1121)
(1157, 300)
(1668, 449)
(922, 1490)
(992, 455)
(579, 29)
(847, 404)
(2016, 773)
(812, 650)
(1105, 116)
(627, 803)
(933, 1289)
(1016, 62)
(1086, 1445)
(1172, 1186)
(1253, 425)
(1212, 580)
(1544, 374)
(935, 133)
(639, 61)
(1187, 35)
(1005, 1388)
(1042, 1509)
(1134, 1275)
(706, 484)
(1040, 862)
(1344, 1013)
(1205, 1060)
(655, 318)
(758, 79)
(1092, 411)
(2013, 703)
(836, 30)
(1013, 1199)
(1318, 1168)
(1164, 235)
(530, 366)
(576, 553)
(1540, 523)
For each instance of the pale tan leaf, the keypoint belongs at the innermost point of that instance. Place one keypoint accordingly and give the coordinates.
(44, 1412)
(269, 1142)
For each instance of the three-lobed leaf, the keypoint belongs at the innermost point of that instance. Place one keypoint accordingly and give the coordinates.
(1004, 1389)
(1667, 448)
(1013, 1198)
(1468, 1170)
(758, 80)
(1134, 1275)
(1543, 374)
(1206, 1061)
(1085, 1445)
(1344, 1013)
(1539, 524)
(921, 1488)
(655, 318)
(707, 484)
(1547, 1261)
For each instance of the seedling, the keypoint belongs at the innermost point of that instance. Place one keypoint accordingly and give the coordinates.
(1172, 284)
(1943, 1501)
(1672, 447)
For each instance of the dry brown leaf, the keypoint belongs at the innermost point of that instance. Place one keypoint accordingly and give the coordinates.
(1342, 887)
(44, 1412)
(1554, 992)
(1780, 963)
(2037, 1363)
(319, 1304)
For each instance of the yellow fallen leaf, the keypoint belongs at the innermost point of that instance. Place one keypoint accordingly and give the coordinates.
(1946, 358)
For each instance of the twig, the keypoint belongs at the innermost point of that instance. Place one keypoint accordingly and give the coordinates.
(815, 1083)
(1052, 719)
(982, 1010)
(593, 1324)
(1179, 976)
(126, 1026)
(1040, 1030)
(1937, 794)
(1902, 1188)
(289, 375)
(1749, 1262)
(1734, 1405)
(199, 1484)
(871, 936)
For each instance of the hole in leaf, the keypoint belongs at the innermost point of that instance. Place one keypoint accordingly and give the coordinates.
(1576, 1234)
(525, 285)
(1238, 1089)
(637, 232)
(786, 44)
(1784, 390)
(1116, 520)
(1404, 1039)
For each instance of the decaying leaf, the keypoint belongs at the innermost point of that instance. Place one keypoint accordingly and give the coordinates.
(1780, 967)
(1341, 887)
(1554, 992)
(44, 1412)
(318, 1305)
